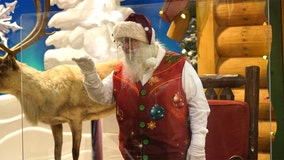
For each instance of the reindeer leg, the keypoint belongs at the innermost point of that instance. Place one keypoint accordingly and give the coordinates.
(57, 136)
(76, 129)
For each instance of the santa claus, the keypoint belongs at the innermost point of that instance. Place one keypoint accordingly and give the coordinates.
(161, 108)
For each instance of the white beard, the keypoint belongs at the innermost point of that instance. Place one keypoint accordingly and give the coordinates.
(139, 61)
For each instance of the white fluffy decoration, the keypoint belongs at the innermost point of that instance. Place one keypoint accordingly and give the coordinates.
(58, 39)
(65, 4)
(96, 44)
(76, 38)
(151, 62)
(53, 58)
(85, 28)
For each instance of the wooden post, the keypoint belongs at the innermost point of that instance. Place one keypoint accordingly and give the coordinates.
(179, 26)
(206, 28)
(252, 98)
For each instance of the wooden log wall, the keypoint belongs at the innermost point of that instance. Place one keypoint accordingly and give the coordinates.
(231, 29)
(240, 12)
(242, 41)
(233, 34)
(234, 65)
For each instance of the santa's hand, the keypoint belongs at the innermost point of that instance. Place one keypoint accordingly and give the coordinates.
(86, 64)
(195, 153)
(88, 68)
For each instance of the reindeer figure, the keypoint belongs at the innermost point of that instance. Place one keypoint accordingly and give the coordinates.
(54, 96)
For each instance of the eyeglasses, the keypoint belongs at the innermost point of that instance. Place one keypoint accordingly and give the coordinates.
(126, 41)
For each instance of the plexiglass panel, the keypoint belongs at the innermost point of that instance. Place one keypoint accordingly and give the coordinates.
(219, 36)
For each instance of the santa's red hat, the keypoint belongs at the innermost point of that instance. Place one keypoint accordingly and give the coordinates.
(136, 26)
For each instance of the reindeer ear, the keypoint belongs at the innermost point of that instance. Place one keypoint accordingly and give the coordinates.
(8, 63)
(12, 62)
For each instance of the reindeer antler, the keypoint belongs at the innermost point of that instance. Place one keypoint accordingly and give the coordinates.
(37, 33)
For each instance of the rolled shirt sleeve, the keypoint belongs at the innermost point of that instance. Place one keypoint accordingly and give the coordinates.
(101, 91)
(198, 110)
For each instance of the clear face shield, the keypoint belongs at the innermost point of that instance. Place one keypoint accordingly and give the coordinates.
(128, 46)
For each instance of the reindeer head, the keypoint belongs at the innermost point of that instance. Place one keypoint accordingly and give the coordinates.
(8, 69)
(8, 61)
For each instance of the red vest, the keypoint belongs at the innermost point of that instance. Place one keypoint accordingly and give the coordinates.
(153, 118)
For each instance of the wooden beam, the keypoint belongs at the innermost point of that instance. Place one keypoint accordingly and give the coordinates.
(206, 28)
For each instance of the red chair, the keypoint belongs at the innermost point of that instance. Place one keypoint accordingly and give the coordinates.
(232, 125)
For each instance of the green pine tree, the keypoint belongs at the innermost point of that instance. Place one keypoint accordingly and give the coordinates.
(189, 43)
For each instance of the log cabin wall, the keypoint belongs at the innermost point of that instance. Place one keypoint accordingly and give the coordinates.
(233, 34)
